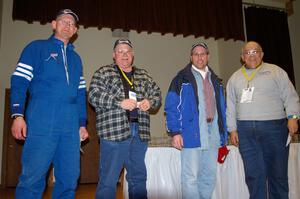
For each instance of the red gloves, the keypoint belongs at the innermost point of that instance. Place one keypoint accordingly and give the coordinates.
(223, 152)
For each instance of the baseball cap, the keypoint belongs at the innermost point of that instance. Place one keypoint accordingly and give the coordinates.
(200, 44)
(67, 12)
(123, 41)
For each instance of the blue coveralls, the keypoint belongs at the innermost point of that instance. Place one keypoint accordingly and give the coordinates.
(52, 76)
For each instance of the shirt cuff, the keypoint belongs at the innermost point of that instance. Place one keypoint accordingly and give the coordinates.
(17, 115)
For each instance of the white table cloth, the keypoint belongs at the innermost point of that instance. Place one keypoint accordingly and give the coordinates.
(163, 174)
(294, 171)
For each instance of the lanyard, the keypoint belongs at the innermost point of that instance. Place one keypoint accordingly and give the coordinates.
(251, 76)
(126, 78)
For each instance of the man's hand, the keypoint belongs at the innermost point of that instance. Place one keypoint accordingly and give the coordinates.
(128, 104)
(144, 105)
(83, 133)
(177, 141)
(292, 126)
(234, 138)
(19, 128)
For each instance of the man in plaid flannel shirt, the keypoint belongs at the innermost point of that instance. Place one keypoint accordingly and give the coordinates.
(122, 95)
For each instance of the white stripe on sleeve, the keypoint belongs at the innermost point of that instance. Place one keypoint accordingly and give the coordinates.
(24, 71)
(25, 66)
(22, 75)
(81, 86)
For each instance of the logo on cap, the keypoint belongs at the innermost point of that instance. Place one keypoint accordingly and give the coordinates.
(123, 41)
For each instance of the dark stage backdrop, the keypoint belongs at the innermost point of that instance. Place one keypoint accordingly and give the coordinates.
(269, 27)
(208, 18)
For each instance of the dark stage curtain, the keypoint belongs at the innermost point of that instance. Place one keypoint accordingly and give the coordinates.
(208, 18)
(269, 27)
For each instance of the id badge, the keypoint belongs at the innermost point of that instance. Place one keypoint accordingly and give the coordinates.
(132, 95)
(247, 95)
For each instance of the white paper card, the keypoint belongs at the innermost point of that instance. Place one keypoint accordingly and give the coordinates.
(288, 141)
(132, 95)
(247, 95)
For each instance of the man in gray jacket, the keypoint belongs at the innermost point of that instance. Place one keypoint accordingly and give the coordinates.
(262, 110)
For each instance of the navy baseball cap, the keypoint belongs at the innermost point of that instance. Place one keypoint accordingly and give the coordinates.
(67, 12)
(202, 44)
(123, 41)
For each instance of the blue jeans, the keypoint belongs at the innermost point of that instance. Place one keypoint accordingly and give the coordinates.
(199, 169)
(116, 155)
(265, 157)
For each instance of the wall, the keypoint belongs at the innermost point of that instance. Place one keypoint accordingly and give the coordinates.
(294, 28)
(1, 3)
(229, 56)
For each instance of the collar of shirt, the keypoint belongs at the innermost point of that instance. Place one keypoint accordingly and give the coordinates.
(202, 72)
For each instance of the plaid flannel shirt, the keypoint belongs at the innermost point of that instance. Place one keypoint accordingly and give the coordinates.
(106, 93)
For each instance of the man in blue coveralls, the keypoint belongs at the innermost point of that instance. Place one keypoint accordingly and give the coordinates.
(50, 71)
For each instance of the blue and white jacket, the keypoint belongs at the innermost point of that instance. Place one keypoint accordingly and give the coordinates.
(46, 70)
(181, 108)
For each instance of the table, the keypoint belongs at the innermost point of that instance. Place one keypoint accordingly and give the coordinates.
(163, 174)
(294, 171)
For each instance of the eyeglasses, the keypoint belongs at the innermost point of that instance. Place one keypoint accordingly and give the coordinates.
(199, 54)
(123, 52)
(252, 52)
(67, 23)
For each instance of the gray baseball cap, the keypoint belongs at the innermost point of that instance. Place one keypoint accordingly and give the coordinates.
(123, 41)
(67, 12)
(202, 44)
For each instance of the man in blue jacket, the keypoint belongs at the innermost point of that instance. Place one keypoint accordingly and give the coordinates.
(195, 114)
(50, 71)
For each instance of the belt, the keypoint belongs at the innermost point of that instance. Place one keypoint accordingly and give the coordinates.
(66, 100)
(133, 120)
(209, 120)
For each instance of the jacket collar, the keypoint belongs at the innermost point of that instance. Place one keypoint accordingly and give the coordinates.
(187, 69)
(52, 38)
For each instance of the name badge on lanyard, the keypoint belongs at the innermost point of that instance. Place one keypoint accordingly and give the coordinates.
(247, 95)
(132, 95)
